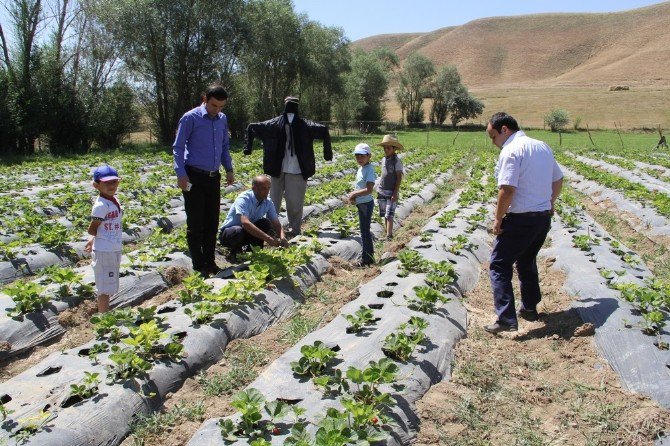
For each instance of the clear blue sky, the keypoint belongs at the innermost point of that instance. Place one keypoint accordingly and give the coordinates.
(363, 18)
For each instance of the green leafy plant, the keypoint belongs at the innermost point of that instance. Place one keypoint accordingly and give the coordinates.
(584, 242)
(29, 426)
(4, 412)
(28, 297)
(446, 218)
(400, 345)
(314, 360)
(194, 290)
(203, 312)
(251, 404)
(412, 261)
(362, 317)
(87, 387)
(126, 364)
(425, 299)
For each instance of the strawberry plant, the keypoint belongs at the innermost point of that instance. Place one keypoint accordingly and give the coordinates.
(4, 412)
(314, 360)
(584, 242)
(87, 387)
(194, 290)
(69, 282)
(126, 364)
(446, 218)
(425, 299)
(653, 322)
(31, 425)
(203, 312)
(401, 344)
(28, 297)
(251, 404)
(460, 243)
(441, 275)
(412, 261)
(362, 317)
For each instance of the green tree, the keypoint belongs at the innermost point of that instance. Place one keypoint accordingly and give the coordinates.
(271, 55)
(175, 48)
(375, 70)
(464, 106)
(414, 81)
(324, 58)
(446, 86)
(348, 106)
(25, 18)
(557, 119)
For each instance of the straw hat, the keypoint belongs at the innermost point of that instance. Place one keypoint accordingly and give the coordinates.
(391, 140)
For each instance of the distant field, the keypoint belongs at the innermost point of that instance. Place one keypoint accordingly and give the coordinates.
(645, 106)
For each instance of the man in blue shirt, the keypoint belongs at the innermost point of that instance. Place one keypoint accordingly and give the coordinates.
(252, 220)
(201, 146)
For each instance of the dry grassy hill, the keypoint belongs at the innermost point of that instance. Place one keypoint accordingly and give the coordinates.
(536, 57)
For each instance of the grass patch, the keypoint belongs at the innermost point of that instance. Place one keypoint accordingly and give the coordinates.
(145, 427)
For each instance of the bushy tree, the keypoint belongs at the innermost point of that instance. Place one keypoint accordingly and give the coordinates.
(116, 117)
(445, 86)
(557, 119)
(414, 85)
(175, 48)
(464, 106)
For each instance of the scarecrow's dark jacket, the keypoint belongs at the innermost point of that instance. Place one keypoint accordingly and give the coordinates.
(273, 135)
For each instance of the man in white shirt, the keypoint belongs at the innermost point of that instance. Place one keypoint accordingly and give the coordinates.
(529, 181)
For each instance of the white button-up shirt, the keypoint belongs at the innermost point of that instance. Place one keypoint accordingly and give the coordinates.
(529, 166)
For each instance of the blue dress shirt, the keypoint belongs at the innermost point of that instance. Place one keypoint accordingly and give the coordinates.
(202, 142)
(247, 204)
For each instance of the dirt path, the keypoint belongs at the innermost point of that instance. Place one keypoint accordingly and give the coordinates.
(544, 385)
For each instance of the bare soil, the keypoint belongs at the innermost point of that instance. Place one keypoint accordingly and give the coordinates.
(545, 384)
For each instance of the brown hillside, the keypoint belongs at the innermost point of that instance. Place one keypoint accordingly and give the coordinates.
(548, 49)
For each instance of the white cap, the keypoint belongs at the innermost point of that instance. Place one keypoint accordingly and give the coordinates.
(362, 149)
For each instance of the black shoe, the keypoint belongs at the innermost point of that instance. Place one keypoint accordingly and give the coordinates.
(204, 273)
(528, 315)
(232, 257)
(213, 270)
(499, 327)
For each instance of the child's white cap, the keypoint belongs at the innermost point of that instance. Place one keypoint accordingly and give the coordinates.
(362, 149)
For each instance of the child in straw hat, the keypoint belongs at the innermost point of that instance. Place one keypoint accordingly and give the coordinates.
(388, 189)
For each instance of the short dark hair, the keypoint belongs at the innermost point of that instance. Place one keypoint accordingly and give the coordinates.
(217, 92)
(501, 118)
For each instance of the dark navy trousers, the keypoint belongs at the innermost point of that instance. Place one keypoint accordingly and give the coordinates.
(520, 242)
(236, 238)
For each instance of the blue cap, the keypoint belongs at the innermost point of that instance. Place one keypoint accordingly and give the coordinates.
(105, 173)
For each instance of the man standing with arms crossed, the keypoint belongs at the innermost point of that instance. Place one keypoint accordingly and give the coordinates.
(201, 146)
(529, 181)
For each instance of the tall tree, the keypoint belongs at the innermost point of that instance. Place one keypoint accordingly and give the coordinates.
(25, 18)
(272, 53)
(325, 56)
(445, 86)
(414, 81)
(175, 48)
(464, 106)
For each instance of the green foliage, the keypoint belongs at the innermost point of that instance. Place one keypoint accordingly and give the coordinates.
(400, 345)
(252, 406)
(446, 218)
(414, 86)
(314, 360)
(362, 317)
(27, 297)
(557, 119)
(425, 299)
(115, 117)
(87, 387)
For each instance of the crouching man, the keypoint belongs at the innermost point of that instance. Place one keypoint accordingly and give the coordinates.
(252, 220)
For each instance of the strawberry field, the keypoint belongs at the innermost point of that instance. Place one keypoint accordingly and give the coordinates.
(352, 378)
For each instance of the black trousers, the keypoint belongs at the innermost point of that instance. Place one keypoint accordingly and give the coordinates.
(522, 238)
(236, 238)
(202, 205)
